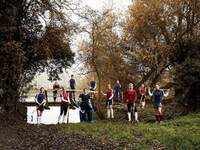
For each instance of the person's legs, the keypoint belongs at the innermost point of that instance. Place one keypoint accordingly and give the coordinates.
(160, 113)
(143, 101)
(129, 112)
(111, 111)
(54, 95)
(40, 109)
(61, 113)
(111, 108)
(89, 115)
(65, 112)
(108, 109)
(41, 112)
(157, 115)
(136, 113)
(38, 116)
(84, 115)
(81, 115)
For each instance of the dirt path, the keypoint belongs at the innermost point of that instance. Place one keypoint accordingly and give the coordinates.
(32, 137)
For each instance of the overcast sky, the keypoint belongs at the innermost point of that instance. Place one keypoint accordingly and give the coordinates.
(118, 6)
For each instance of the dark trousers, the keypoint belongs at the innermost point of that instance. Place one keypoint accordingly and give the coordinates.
(86, 114)
(63, 109)
(73, 92)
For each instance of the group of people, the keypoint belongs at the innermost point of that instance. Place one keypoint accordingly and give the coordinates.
(85, 102)
(131, 98)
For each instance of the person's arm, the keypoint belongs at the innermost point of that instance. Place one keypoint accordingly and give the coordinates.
(165, 94)
(150, 93)
(103, 93)
(44, 102)
(64, 100)
(95, 85)
(36, 99)
(111, 97)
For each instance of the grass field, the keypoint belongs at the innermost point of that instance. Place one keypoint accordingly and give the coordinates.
(182, 133)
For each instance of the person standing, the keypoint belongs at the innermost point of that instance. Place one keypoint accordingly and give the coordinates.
(117, 91)
(72, 85)
(142, 91)
(40, 100)
(158, 95)
(109, 101)
(93, 85)
(131, 99)
(47, 102)
(65, 101)
(56, 87)
(86, 107)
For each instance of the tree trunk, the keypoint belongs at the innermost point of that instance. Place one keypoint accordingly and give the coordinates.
(98, 102)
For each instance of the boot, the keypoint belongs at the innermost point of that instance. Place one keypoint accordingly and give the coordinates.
(161, 117)
(129, 116)
(90, 116)
(64, 119)
(112, 113)
(136, 117)
(143, 105)
(157, 119)
(108, 113)
(40, 119)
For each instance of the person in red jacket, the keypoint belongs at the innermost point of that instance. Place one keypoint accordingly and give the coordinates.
(131, 99)
(109, 101)
(142, 91)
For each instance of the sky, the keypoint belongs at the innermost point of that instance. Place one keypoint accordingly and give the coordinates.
(119, 6)
(99, 4)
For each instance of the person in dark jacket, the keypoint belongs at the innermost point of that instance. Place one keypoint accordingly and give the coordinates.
(117, 91)
(72, 85)
(158, 95)
(86, 107)
(40, 100)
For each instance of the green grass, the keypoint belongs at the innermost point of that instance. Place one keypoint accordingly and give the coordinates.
(182, 133)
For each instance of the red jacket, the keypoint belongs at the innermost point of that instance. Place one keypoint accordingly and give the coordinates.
(142, 91)
(131, 96)
(109, 94)
(65, 96)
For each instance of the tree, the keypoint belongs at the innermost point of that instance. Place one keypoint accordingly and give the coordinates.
(34, 35)
(164, 33)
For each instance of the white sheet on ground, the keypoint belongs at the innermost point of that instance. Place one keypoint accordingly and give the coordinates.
(51, 116)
